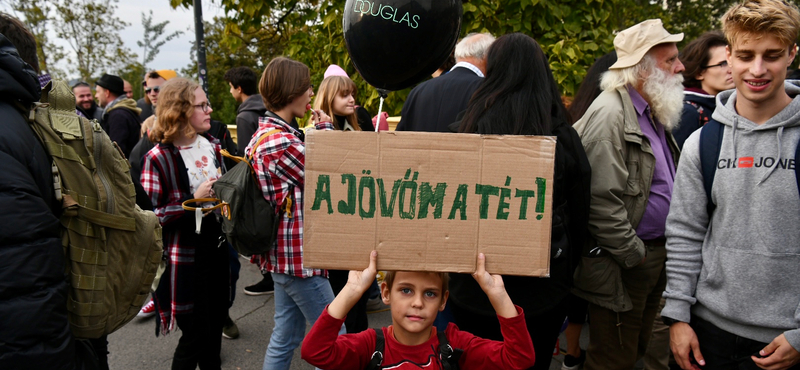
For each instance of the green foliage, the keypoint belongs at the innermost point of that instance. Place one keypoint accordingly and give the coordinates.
(89, 28)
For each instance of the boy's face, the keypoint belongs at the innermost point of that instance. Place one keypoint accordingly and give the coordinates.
(758, 65)
(415, 299)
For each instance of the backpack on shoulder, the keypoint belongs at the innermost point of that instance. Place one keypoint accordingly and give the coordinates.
(710, 145)
(249, 221)
(113, 248)
(448, 356)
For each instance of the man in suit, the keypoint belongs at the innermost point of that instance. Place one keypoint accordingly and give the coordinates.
(434, 104)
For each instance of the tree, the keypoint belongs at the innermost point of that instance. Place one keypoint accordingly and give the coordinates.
(36, 15)
(90, 28)
(151, 42)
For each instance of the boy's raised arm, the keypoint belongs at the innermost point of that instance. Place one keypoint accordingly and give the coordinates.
(494, 288)
(357, 283)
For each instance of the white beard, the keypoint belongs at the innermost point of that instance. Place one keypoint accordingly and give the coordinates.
(665, 94)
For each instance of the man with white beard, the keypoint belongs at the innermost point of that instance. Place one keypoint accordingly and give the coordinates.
(626, 135)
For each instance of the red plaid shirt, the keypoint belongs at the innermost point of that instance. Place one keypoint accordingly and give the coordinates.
(280, 165)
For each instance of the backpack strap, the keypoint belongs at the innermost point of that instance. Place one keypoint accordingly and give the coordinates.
(377, 356)
(447, 355)
(710, 144)
(797, 166)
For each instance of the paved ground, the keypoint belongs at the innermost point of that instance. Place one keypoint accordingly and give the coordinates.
(135, 346)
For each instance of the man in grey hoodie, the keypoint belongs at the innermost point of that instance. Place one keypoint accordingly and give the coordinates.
(733, 291)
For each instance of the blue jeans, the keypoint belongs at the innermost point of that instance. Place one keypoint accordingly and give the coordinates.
(297, 300)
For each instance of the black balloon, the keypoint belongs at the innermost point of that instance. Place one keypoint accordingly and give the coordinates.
(397, 43)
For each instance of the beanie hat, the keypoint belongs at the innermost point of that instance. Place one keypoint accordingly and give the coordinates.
(334, 70)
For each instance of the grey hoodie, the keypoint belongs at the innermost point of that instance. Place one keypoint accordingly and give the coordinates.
(247, 120)
(739, 270)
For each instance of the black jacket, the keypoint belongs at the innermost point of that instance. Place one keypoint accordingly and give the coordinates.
(434, 104)
(697, 110)
(95, 112)
(571, 196)
(247, 120)
(34, 330)
(122, 124)
(147, 109)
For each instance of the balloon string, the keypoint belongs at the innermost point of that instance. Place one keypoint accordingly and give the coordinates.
(378, 120)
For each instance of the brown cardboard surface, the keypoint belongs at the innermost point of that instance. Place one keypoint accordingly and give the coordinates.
(340, 233)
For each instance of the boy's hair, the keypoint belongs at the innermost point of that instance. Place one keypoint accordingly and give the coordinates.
(22, 39)
(243, 77)
(283, 80)
(695, 56)
(780, 18)
(389, 279)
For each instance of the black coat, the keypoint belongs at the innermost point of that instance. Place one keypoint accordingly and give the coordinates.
(434, 104)
(147, 109)
(34, 330)
(122, 124)
(697, 111)
(571, 196)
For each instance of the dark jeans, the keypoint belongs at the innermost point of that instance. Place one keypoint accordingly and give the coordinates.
(235, 267)
(724, 350)
(100, 346)
(543, 329)
(201, 337)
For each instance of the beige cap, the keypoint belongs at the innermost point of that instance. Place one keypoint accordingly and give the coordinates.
(634, 42)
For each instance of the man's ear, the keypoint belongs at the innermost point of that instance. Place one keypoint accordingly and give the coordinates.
(444, 300)
(792, 54)
(385, 293)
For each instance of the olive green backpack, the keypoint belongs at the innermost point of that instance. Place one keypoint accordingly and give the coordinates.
(113, 247)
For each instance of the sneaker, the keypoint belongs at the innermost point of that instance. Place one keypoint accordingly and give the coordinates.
(375, 305)
(573, 363)
(148, 310)
(230, 330)
(263, 287)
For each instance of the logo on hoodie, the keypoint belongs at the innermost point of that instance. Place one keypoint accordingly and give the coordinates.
(749, 162)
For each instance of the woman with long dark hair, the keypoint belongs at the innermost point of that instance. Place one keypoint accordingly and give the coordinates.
(520, 97)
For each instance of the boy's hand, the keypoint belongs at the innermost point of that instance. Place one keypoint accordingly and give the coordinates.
(491, 284)
(360, 281)
(357, 283)
(494, 288)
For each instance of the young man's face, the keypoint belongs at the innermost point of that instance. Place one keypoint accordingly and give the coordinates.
(236, 92)
(83, 97)
(415, 298)
(759, 66)
(153, 87)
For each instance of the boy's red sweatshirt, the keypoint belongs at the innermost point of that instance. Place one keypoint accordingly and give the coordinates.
(323, 348)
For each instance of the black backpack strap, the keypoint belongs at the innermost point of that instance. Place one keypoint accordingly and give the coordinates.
(710, 144)
(377, 356)
(447, 355)
(797, 166)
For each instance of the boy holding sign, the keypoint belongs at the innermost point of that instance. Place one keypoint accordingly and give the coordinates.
(411, 341)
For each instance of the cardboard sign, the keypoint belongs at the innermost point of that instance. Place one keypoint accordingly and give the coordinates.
(428, 201)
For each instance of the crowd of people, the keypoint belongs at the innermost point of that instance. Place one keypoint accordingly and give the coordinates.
(674, 225)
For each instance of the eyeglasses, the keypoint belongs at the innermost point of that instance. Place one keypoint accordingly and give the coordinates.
(722, 64)
(206, 107)
(154, 88)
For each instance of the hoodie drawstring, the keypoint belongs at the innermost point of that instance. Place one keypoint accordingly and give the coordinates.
(774, 165)
(734, 129)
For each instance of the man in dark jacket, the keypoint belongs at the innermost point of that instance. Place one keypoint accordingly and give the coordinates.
(121, 117)
(434, 104)
(244, 88)
(34, 328)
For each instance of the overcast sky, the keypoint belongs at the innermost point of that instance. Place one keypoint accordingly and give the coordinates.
(174, 54)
